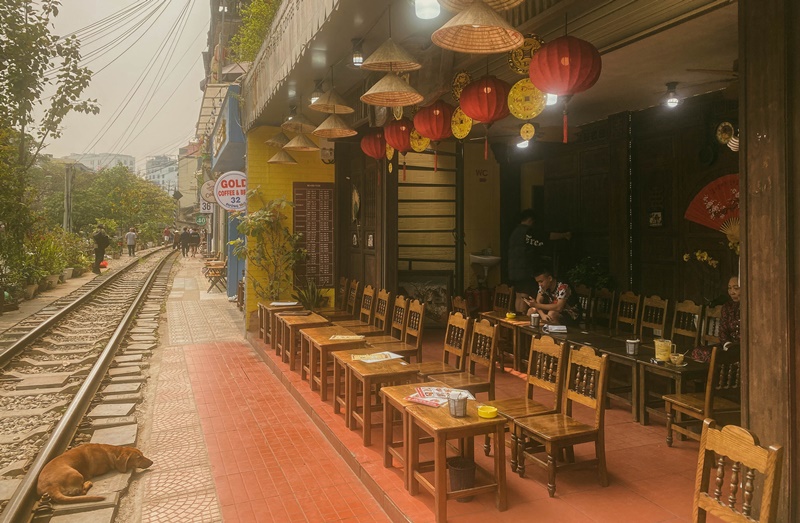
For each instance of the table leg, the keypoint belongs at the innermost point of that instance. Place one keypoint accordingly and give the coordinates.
(323, 374)
(349, 397)
(312, 365)
(635, 398)
(337, 386)
(440, 478)
(515, 343)
(413, 456)
(292, 340)
(501, 500)
(303, 357)
(388, 433)
(643, 393)
(366, 412)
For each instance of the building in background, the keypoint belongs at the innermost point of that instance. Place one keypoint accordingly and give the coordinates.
(162, 171)
(190, 164)
(99, 161)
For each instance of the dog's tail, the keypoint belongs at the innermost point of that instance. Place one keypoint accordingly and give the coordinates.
(59, 497)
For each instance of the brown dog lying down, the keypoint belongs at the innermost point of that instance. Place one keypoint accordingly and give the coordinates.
(66, 478)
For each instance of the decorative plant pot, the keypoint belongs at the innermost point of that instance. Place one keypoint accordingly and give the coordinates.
(43, 286)
(67, 273)
(30, 291)
(77, 271)
(52, 280)
(115, 255)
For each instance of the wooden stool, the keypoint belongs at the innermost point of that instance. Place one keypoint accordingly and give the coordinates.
(316, 344)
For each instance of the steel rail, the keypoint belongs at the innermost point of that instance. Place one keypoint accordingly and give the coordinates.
(21, 502)
(7, 354)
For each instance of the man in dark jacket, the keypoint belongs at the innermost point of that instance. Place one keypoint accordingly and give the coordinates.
(101, 240)
(185, 237)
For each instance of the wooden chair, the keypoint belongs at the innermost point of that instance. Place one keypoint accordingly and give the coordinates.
(712, 316)
(503, 299)
(740, 448)
(482, 351)
(602, 311)
(545, 371)
(503, 302)
(340, 299)
(365, 313)
(379, 326)
(460, 305)
(349, 311)
(456, 343)
(584, 295)
(628, 313)
(686, 324)
(585, 383)
(654, 317)
(720, 398)
(397, 325)
(411, 345)
(217, 275)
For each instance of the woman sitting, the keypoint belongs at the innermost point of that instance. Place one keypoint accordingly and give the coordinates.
(731, 314)
(554, 301)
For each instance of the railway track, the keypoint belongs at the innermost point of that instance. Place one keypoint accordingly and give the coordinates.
(53, 364)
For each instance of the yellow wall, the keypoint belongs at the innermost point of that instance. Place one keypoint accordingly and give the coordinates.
(275, 181)
(481, 210)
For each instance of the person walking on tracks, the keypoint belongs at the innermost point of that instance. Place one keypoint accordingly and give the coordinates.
(101, 240)
(130, 240)
(185, 241)
(194, 241)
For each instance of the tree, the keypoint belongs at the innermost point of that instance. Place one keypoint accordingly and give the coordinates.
(257, 18)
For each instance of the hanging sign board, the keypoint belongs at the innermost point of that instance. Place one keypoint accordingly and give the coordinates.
(200, 219)
(230, 191)
(206, 207)
(207, 191)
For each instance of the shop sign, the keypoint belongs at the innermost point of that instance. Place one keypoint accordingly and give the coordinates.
(230, 191)
(207, 191)
(206, 207)
(200, 219)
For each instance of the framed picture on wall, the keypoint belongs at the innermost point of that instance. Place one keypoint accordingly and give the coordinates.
(431, 287)
(370, 241)
(655, 219)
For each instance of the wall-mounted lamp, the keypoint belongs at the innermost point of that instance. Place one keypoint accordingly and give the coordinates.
(671, 99)
(426, 9)
(358, 54)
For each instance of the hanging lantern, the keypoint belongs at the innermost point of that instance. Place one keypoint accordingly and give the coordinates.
(398, 135)
(298, 123)
(434, 122)
(282, 158)
(391, 91)
(301, 143)
(334, 127)
(374, 144)
(390, 57)
(331, 102)
(486, 100)
(565, 66)
(279, 140)
(477, 29)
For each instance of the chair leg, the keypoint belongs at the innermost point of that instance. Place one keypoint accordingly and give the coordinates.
(670, 419)
(600, 450)
(514, 450)
(551, 470)
(521, 455)
(487, 444)
(570, 454)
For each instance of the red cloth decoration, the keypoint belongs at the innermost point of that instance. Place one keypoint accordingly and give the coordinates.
(565, 66)
(374, 144)
(398, 135)
(433, 122)
(486, 100)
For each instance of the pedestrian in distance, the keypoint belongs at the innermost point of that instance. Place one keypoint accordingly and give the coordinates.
(167, 234)
(185, 241)
(194, 241)
(130, 240)
(176, 239)
(101, 241)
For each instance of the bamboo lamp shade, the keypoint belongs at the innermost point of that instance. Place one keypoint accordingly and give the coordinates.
(390, 57)
(497, 5)
(479, 30)
(331, 103)
(282, 158)
(279, 140)
(298, 124)
(301, 143)
(391, 91)
(334, 127)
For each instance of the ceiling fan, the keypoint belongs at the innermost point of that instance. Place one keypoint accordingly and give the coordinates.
(731, 90)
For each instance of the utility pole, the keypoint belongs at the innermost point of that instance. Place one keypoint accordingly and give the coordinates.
(221, 46)
(68, 172)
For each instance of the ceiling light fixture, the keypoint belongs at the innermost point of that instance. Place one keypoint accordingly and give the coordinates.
(671, 100)
(315, 95)
(426, 9)
(358, 54)
(523, 144)
(552, 99)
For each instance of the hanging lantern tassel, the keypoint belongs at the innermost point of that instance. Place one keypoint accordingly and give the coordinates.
(404, 166)
(565, 119)
(435, 156)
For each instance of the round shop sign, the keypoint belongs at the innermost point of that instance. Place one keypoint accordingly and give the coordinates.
(230, 191)
(207, 191)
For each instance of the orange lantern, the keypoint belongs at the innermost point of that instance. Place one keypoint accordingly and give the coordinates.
(374, 144)
(433, 122)
(565, 66)
(398, 135)
(486, 100)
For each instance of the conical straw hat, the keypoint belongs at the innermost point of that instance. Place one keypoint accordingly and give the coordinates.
(334, 127)
(301, 143)
(298, 124)
(390, 57)
(477, 30)
(282, 158)
(497, 5)
(331, 102)
(279, 140)
(391, 91)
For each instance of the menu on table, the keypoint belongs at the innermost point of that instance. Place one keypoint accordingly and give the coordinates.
(313, 219)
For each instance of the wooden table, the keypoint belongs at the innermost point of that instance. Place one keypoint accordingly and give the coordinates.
(512, 324)
(340, 361)
(389, 372)
(693, 371)
(316, 345)
(267, 318)
(438, 423)
(289, 325)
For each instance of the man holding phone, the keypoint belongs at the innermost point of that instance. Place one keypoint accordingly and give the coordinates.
(555, 302)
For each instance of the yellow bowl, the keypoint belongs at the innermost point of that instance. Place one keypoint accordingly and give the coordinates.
(510, 315)
(676, 359)
(487, 411)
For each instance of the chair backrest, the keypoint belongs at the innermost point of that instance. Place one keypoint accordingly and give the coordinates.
(503, 298)
(415, 324)
(712, 316)
(603, 308)
(585, 382)
(340, 300)
(383, 304)
(628, 311)
(352, 294)
(460, 305)
(724, 378)
(482, 349)
(584, 295)
(654, 317)
(399, 317)
(546, 362)
(686, 322)
(740, 448)
(456, 340)
(367, 304)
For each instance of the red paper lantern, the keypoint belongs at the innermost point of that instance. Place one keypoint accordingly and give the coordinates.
(398, 135)
(486, 100)
(374, 144)
(434, 122)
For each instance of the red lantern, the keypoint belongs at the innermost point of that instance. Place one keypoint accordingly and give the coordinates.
(374, 144)
(565, 66)
(486, 100)
(398, 135)
(433, 122)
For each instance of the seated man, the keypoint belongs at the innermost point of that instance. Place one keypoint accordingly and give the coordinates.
(555, 302)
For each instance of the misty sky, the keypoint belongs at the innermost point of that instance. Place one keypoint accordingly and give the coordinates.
(143, 128)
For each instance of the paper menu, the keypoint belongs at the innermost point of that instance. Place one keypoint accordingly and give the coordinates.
(378, 356)
(441, 392)
(346, 337)
(283, 303)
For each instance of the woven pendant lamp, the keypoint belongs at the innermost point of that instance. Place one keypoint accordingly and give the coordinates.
(331, 102)
(301, 143)
(334, 127)
(497, 5)
(279, 140)
(479, 30)
(390, 57)
(391, 91)
(282, 158)
(298, 124)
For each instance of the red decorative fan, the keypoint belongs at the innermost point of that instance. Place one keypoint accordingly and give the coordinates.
(716, 206)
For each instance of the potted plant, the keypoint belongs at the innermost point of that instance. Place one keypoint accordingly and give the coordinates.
(310, 296)
(591, 273)
(30, 274)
